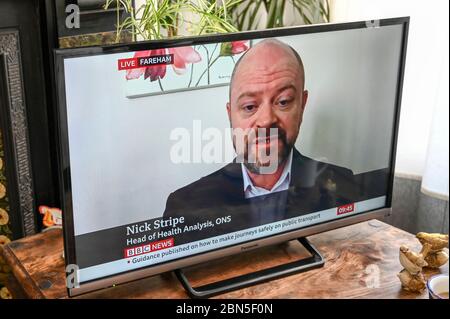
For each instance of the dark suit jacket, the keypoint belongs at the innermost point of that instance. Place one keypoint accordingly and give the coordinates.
(314, 186)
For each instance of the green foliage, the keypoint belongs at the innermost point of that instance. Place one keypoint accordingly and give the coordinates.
(246, 16)
(213, 18)
(158, 19)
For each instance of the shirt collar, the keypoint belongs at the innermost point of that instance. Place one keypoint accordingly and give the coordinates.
(286, 174)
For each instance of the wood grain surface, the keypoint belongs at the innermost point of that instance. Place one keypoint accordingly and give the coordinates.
(361, 262)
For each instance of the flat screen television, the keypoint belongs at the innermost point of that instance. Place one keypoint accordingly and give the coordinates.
(175, 152)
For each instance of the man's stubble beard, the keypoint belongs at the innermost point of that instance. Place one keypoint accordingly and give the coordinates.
(284, 151)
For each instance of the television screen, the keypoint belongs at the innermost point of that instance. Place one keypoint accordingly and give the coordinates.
(181, 148)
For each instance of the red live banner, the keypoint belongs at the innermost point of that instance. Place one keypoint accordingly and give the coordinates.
(134, 63)
(127, 64)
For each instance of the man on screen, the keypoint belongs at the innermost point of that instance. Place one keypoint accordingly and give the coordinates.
(266, 93)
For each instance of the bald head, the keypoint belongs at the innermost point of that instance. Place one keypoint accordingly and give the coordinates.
(267, 92)
(265, 48)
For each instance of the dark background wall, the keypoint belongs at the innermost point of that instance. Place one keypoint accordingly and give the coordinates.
(26, 17)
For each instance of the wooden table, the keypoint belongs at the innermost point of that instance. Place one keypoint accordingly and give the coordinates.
(361, 262)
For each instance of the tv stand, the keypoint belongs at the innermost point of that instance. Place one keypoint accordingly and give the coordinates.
(315, 261)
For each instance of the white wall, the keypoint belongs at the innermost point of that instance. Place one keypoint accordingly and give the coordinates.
(351, 78)
(425, 71)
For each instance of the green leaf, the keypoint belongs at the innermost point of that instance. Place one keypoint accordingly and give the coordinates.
(251, 20)
(225, 49)
(271, 14)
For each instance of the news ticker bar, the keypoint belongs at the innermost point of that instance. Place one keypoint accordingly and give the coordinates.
(204, 245)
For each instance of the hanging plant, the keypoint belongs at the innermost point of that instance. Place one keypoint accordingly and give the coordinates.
(158, 19)
(246, 15)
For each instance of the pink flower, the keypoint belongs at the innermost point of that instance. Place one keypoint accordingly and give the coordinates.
(155, 72)
(181, 57)
(233, 48)
(238, 47)
(136, 73)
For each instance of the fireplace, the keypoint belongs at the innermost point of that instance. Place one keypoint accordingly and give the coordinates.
(28, 124)
(17, 200)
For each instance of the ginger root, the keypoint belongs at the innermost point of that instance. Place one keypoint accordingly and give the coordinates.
(437, 241)
(413, 283)
(411, 261)
(437, 259)
(434, 254)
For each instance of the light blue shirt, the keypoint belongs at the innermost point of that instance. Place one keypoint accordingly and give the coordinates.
(282, 184)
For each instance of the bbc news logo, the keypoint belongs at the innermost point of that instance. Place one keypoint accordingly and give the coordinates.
(148, 248)
(345, 209)
(134, 63)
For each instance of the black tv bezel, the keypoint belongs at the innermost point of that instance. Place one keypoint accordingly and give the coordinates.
(63, 141)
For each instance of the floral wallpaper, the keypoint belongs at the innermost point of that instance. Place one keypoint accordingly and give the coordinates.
(5, 230)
